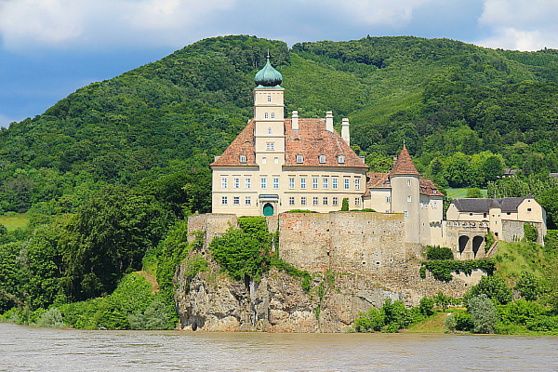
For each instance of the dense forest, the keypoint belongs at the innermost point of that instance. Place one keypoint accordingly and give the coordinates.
(108, 173)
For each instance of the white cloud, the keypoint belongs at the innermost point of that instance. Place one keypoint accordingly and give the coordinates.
(26, 24)
(520, 24)
(377, 12)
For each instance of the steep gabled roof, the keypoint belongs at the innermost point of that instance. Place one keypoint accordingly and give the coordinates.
(404, 165)
(427, 187)
(311, 141)
(243, 144)
(382, 181)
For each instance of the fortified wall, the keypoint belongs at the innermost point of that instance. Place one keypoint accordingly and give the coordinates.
(356, 242)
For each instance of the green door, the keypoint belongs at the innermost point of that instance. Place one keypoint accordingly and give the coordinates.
(268, 210)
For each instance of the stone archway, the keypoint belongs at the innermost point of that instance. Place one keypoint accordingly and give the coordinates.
(477, 244)
(463, 241)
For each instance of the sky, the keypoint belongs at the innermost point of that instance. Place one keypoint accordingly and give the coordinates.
(51, 48)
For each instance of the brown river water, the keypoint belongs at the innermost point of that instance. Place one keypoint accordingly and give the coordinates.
(45, 349)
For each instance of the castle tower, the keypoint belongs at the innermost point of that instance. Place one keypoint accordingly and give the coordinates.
(405, 196)
(269, 132)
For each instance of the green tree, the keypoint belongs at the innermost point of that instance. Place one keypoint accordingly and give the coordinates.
(493, 287)
(483, 314)
(474, 192)
(528, 286)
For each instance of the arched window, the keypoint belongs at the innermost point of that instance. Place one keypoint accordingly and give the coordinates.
(266, 115)
(273, 115)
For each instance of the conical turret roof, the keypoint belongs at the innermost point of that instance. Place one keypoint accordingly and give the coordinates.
(268, 77)
(404, 165)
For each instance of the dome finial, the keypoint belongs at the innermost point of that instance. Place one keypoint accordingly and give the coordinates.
(268, 77)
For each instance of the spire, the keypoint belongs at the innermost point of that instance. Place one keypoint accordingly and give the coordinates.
(268, 77)
(404, 165)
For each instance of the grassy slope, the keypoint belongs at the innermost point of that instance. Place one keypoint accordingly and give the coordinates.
(14, 221)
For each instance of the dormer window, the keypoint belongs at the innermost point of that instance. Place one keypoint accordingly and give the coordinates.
(434, 191)
(243, 158)
(322, 159)
(299, 159)
(340, 159)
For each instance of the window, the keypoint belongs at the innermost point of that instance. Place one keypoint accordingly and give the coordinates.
(268, 98)
(408, 182)
(315, 200)
(263, 183)
(434, 191)
(408, 198)
(303, 182)
(266, 115)
(325, 183)
(291, 183)
(340, 159)
(299, 159)
(291, 200)
(315, 182)
(335, 200)
(273, 115)
(224, 182)
(405, 214)
(357, 183)
(264, 160)
(224, 200)
(236, 200)
(269, 130)
(303, 200)
(388, 199)
(357, 202)
(435, 206)
(324, 200)
(248, 183)
(347, 183)
(528, 209)
(270, 146)
(275, 183)
(243, 158)
(248, 200)
(236, 183)
(276, 160)
(334, 183)
(322, 159)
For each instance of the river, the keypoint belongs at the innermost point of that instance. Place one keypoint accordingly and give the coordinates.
(45, 349)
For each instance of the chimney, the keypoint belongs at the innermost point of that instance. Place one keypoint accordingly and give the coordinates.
(329, 121)
(295, 120)
(345, 133)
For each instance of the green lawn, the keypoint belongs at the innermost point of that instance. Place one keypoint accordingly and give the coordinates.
(461, 193)
(13, 220)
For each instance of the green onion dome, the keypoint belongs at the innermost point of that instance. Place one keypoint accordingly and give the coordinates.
(268, 77)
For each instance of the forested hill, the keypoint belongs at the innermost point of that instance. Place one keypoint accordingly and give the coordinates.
(157, 127)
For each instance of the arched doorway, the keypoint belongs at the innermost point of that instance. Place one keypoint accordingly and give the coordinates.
(463, 240)
(477, 243)
(268, 210)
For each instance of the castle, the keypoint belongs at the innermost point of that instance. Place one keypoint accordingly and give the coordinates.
(278, 164)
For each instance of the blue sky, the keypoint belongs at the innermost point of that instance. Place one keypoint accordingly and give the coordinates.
(50, 48)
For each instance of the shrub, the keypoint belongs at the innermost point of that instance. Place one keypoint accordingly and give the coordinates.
(301, 211)
(441, 269)
(521, 312)
(51, 318)
(528, 286)
(494, 287)
(450, 323)
(529, 233)
(544, 324)
(463, 322)
(438, 253)
(345, 204)
(483, 314)
(373, 320)
(425, 306)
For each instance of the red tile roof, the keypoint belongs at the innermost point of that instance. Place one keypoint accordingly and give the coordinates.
(404, 165)
(382, 181)
(310, 141)
(243, 144)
